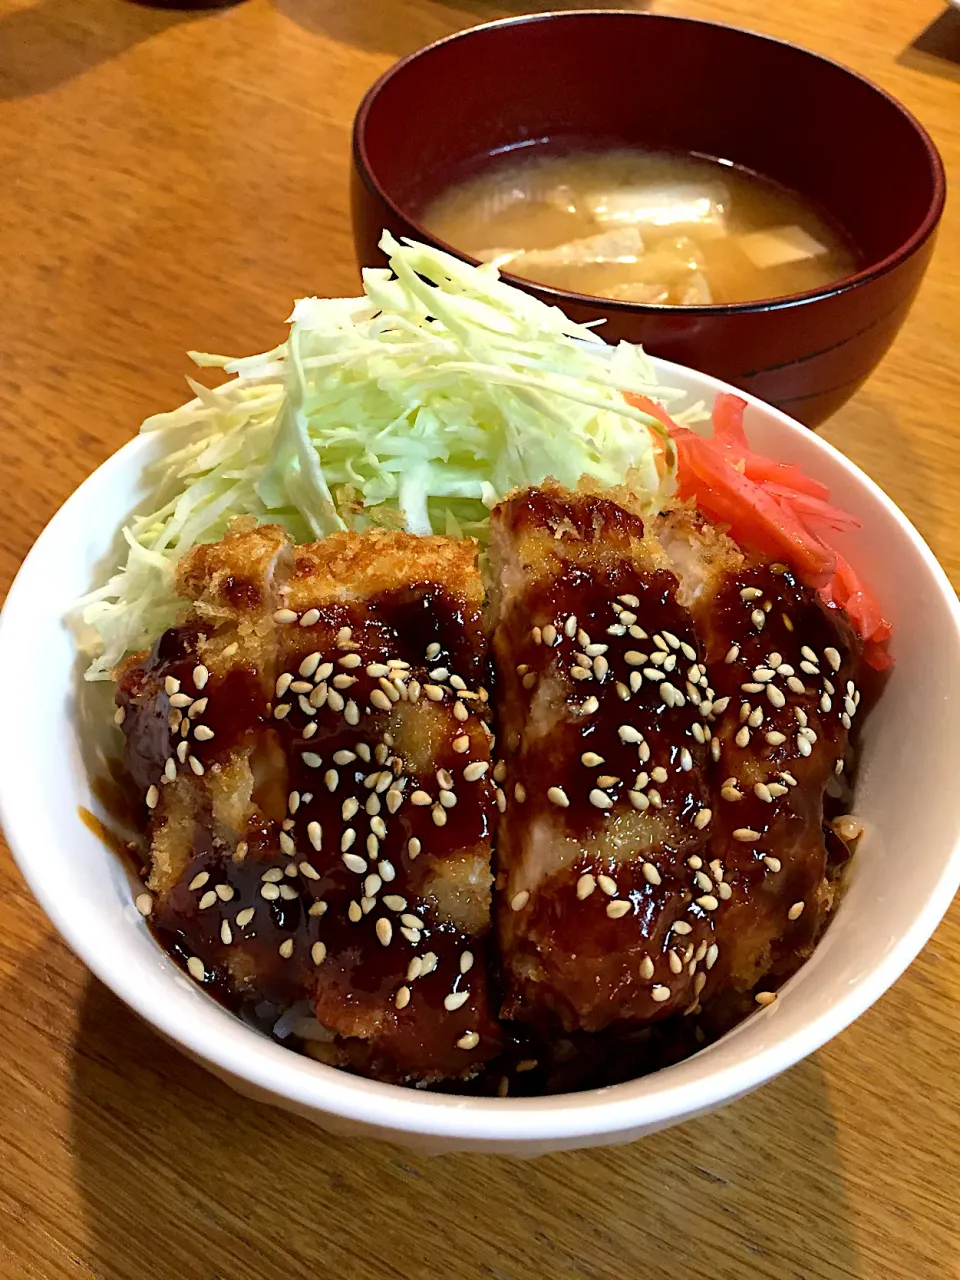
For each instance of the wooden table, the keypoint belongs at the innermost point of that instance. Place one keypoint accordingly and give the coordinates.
(173, 179)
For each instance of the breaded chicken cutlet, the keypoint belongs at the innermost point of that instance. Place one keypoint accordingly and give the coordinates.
(314, 746)
(315, 742)
(669, 713)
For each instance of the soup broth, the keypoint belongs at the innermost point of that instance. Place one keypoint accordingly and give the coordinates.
(641, 226)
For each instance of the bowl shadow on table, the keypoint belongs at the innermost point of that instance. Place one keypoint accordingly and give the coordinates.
(362, 23)
(181, 1177)
(53, 41)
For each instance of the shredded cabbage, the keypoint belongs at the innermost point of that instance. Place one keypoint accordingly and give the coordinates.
(417, 406)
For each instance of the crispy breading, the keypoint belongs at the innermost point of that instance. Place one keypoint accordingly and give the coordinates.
(351, 566)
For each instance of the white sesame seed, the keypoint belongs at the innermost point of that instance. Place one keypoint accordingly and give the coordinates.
(199, 880)
(765, 997)
(171, 685)
(618, 908)
(475, 771)
(796, 911)
(702, 819)
(659, 994)
(686, 760)
(144, 903)
(746, 835)
(775, 738)
(447, 799)
(762, 792)
(708, 902)
(608, 885)
(676, 964)
(651, 874)
(804, 746)
(703, 882)
(394, 902)
(557, 796)
(455, 1000)
(153, 797)
(646, 968)
(519, 900)
(758, 618)
(353, 862)
(833, 657)
(638, 800)
(585, 886)
(681, 927)
(196, 968)
(331, 778)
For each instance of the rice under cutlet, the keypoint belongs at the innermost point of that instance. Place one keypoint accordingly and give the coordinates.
(348, 726)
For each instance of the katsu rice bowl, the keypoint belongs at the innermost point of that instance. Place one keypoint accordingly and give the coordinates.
(453, 728)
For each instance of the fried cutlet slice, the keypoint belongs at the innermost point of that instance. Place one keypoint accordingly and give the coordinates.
(331, 843)
(601, 909)
(784, 670)
(194, 705)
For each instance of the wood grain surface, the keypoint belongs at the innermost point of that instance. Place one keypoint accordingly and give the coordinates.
(172, 179)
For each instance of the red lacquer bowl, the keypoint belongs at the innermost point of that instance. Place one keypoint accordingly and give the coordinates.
(610, 78)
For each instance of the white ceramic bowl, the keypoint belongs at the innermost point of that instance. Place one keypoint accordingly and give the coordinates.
(900, 883)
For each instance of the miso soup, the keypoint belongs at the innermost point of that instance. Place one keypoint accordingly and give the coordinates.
(642, 226)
